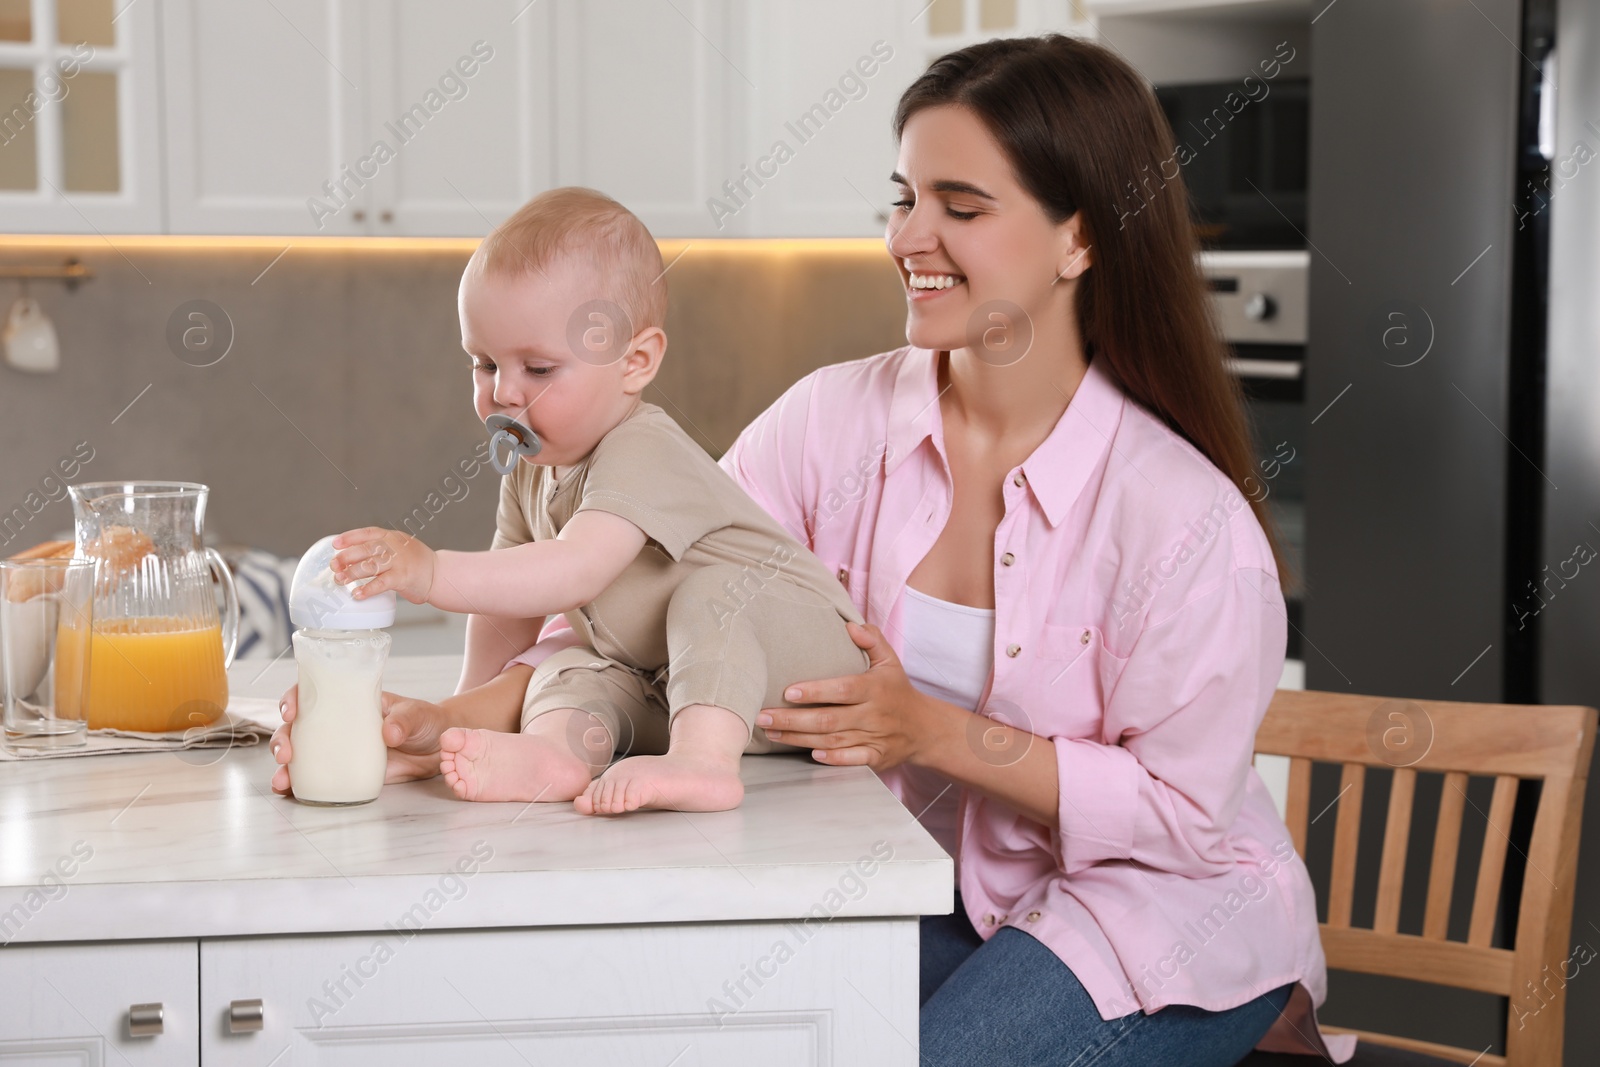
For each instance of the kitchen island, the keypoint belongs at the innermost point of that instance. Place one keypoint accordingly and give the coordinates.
(168, 908)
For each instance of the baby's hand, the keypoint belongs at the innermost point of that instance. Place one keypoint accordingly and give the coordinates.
(392, 559)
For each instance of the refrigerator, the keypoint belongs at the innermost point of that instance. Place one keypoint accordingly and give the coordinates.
(1452, 488)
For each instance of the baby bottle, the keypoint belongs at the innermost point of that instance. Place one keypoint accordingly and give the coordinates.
(340, 648)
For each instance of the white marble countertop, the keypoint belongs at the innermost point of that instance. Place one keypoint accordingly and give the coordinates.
(194, 844)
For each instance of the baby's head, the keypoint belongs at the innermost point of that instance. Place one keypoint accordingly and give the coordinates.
(562, 308)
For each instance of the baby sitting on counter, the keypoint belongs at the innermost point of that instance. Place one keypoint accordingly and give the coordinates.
(695, 607)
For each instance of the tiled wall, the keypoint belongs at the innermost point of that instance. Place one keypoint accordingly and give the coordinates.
(345, 397)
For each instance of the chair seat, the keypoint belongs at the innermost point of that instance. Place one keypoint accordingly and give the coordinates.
(1367, 1055)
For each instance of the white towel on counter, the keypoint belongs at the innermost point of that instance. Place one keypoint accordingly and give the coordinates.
(247, 721)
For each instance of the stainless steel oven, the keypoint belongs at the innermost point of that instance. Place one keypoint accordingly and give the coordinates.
(1260, 301)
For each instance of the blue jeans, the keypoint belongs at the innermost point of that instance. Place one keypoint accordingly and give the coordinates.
(1011, 1001)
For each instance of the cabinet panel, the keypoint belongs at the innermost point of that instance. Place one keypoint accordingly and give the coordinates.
(261, 104)
(80, 123)
(817, 136)
(643, 104)
(708, 993)
(68, 1004)
(463, 94)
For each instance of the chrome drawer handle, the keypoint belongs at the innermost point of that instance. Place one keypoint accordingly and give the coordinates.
(144, 1020)
(245, 1016)
(1283, 369)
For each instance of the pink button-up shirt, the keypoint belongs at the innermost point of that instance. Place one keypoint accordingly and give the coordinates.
(1139, 631)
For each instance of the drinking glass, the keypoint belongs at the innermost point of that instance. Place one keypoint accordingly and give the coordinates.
(45, 615)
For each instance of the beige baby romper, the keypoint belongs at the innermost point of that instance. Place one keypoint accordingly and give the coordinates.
(722, 606)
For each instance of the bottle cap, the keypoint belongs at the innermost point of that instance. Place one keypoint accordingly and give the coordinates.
(317, 602)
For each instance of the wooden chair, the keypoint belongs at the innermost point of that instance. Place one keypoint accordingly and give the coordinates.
(1510, 742)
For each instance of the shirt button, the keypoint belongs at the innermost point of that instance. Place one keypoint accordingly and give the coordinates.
(1033, 916)
(844, 576)
(1084, 640)
(988, 920)
(1013, 650)
(1018, 479)
(1007, 560)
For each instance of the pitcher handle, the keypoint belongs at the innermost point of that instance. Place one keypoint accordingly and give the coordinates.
(230, 606)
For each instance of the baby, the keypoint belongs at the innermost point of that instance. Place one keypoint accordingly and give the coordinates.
(695, 608)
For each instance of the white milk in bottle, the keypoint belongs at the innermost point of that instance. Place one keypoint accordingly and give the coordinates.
(338, 755)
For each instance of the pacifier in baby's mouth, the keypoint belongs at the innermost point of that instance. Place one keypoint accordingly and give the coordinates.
(518, 440)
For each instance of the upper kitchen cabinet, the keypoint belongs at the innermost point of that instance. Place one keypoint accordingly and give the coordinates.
(816, 111)
(815, 104)
(415, 118)
(263, 106)
(341, 117)
(79, 106)
(462, 104)
(644, 97)
(709, 118)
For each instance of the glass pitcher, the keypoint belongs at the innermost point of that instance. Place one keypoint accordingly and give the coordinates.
(159, 647)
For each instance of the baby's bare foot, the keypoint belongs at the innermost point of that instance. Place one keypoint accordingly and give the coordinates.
(490, 766)
(681, 781)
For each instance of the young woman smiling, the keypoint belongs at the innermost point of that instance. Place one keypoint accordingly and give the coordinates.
(1075, 618)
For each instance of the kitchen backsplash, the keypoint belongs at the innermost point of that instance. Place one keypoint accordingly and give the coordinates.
(343, 398)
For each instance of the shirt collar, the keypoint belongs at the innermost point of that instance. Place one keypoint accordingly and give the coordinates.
(1057, 470)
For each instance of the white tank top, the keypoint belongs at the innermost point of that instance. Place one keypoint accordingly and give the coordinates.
(949, 655)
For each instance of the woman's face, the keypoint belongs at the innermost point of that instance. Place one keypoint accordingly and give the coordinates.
(970, 243)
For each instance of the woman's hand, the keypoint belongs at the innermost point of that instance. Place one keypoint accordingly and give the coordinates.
(411, 730)
(393, 560)
(878, 718)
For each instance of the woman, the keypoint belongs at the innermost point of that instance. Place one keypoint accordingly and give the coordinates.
(1056, 537)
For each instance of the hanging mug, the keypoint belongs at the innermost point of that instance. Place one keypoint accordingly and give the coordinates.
(30, 338)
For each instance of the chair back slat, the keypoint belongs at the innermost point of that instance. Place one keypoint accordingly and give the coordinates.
(1298, 810)
(1446, 847)
(1396, 835)
(1456, 741)
(1346, 834)
(1492, 861)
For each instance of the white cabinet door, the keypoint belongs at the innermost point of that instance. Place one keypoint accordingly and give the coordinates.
(817, 144)
(262, 105)
(79, 120)
(69, 1004)
(644, 102)
(839, 992)
(463, 96)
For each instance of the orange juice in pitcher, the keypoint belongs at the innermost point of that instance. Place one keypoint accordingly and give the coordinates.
(159, 648)
(145, 678)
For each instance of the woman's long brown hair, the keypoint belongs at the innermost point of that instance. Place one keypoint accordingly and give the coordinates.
(1083, 132)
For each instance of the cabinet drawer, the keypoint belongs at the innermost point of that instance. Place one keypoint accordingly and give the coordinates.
(66, 1004)
(703, 993)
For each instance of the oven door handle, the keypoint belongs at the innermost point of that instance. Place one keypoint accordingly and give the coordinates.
(1280, 369)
